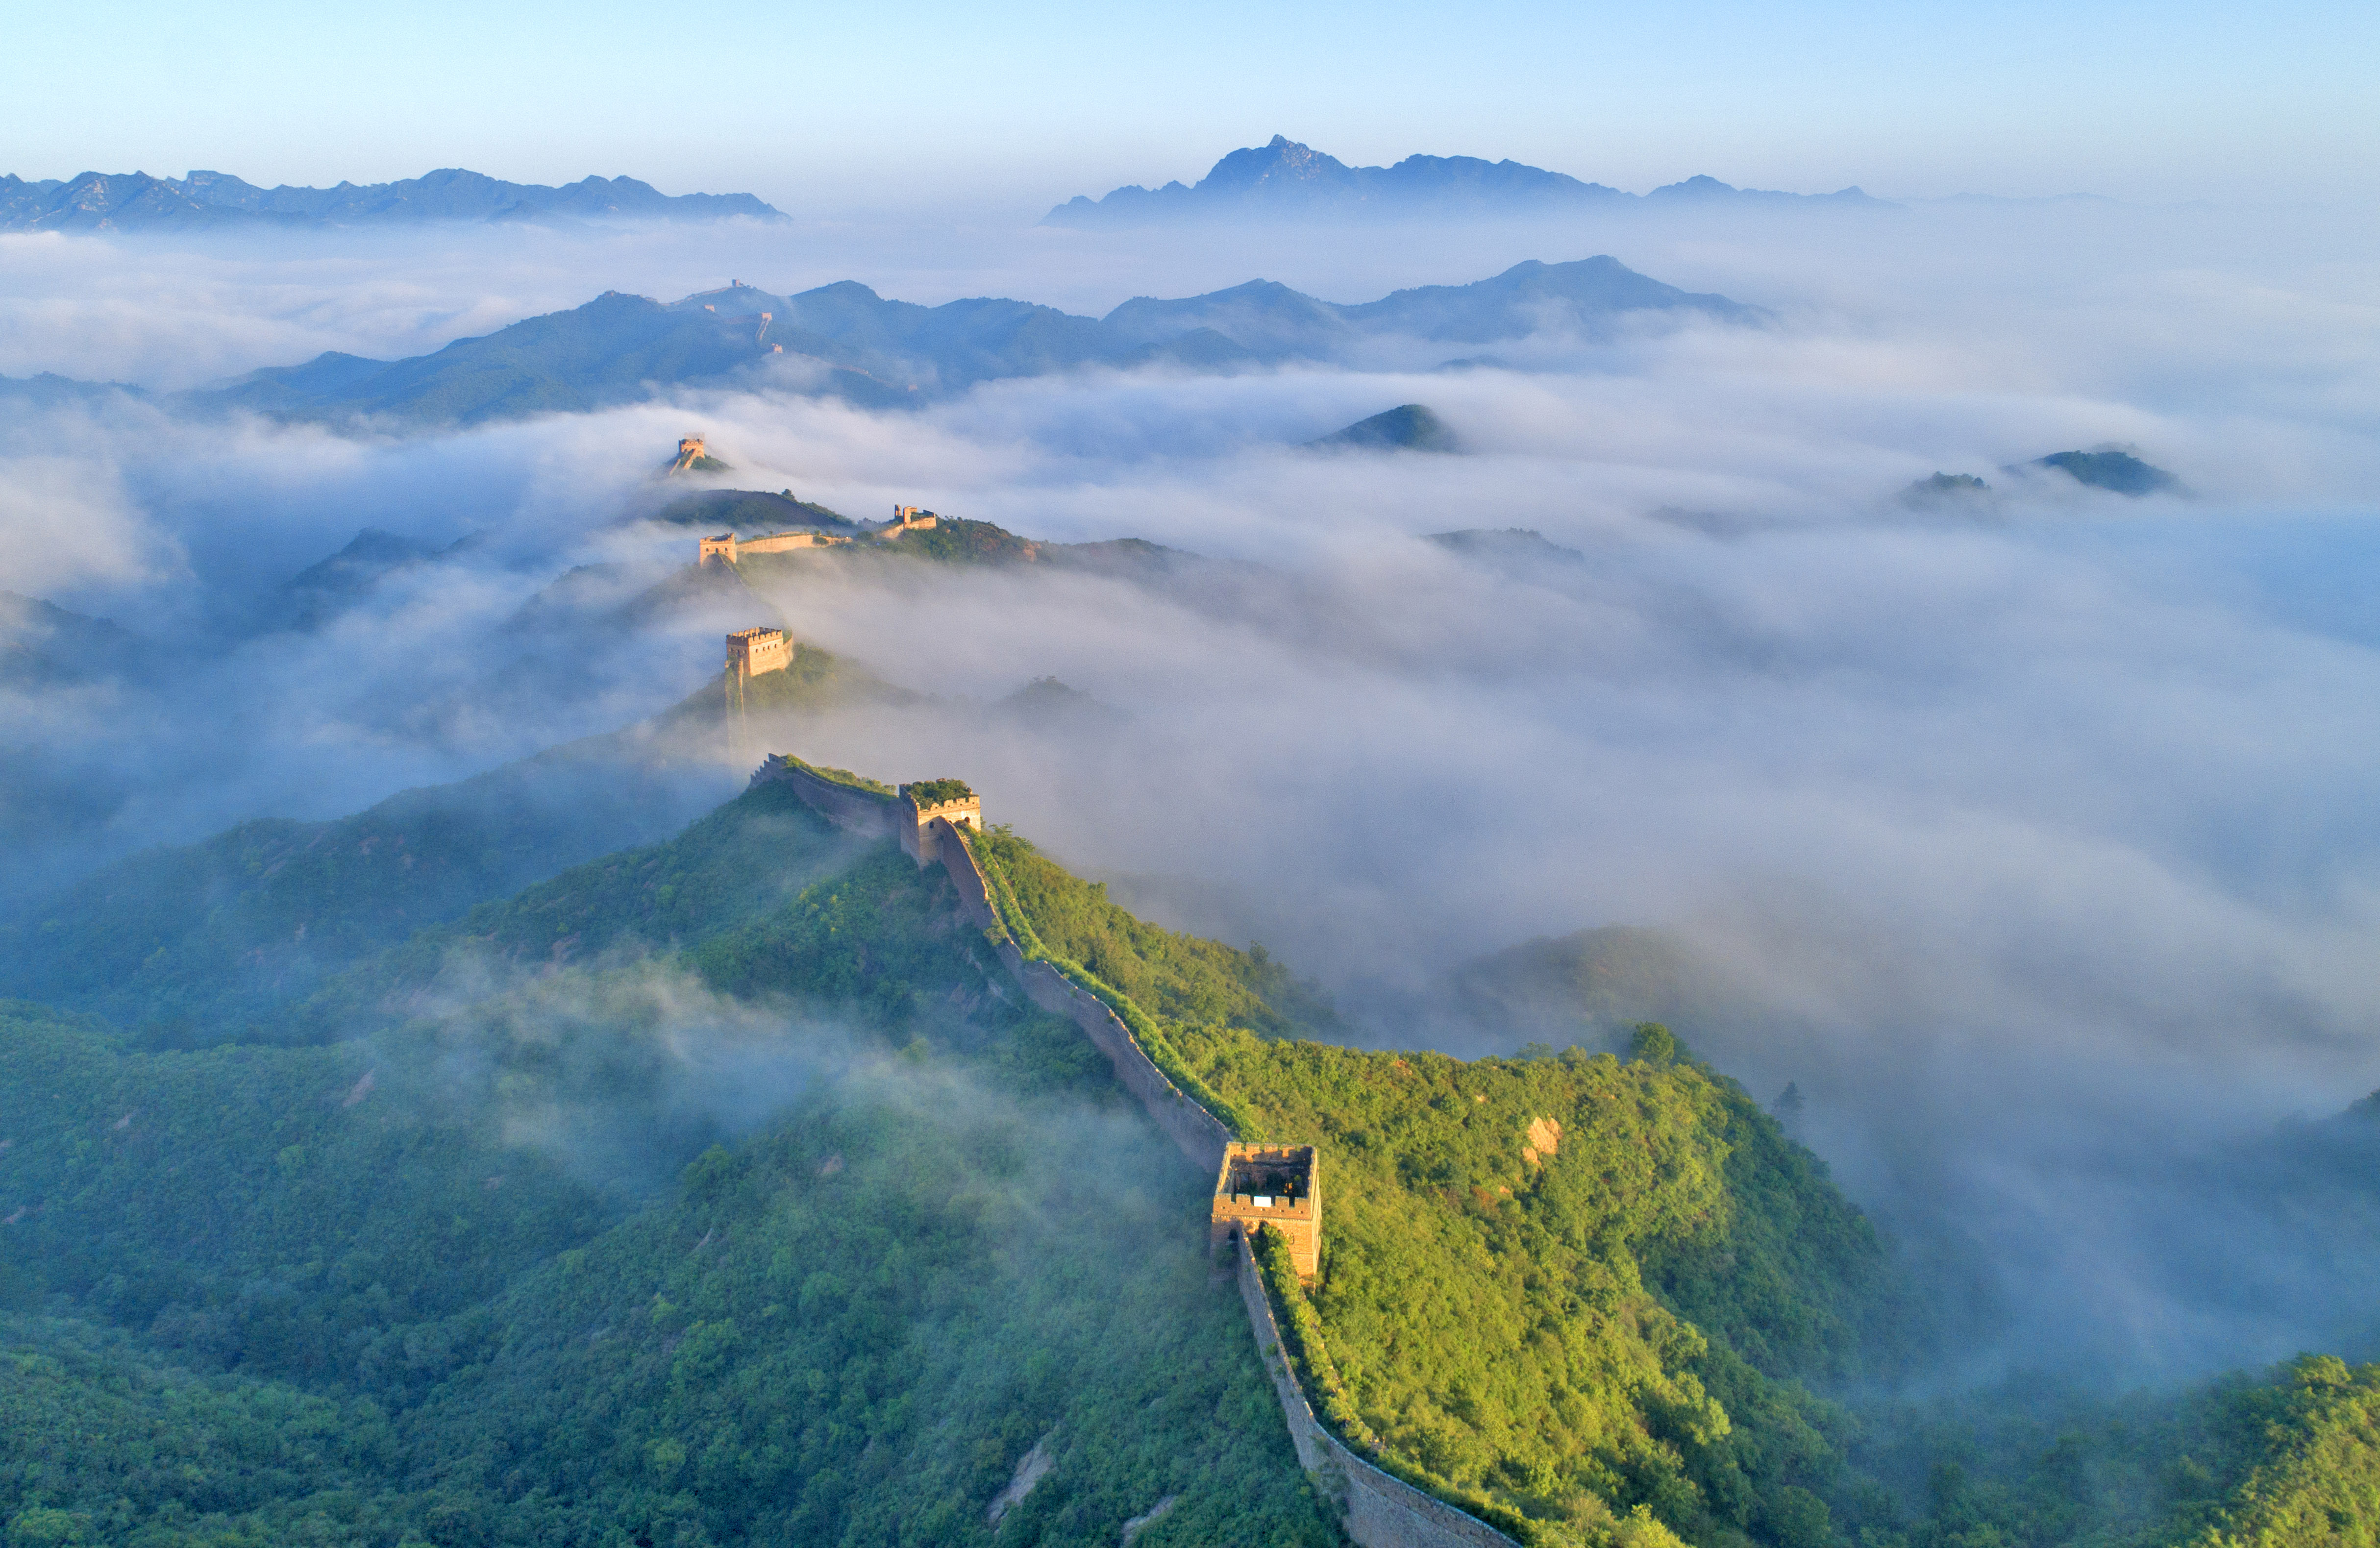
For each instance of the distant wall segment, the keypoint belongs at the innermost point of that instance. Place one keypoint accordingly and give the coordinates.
(728, 548)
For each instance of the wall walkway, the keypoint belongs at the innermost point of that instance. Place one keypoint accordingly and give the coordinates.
(1379, 1510)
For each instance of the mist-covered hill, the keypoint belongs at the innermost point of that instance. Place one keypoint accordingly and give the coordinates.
(135, 201)
(41, 643)
(202, 942)
(845, 340)
(1284, 180)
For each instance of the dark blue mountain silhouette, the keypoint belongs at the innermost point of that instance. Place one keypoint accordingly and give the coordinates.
(1286, 180)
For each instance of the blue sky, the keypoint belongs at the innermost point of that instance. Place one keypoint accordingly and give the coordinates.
(936, 104)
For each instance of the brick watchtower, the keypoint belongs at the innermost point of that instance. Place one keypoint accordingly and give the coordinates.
(1271, 1188)
(751, 652)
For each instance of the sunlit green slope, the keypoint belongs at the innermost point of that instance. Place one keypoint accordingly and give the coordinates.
(1485, 1300)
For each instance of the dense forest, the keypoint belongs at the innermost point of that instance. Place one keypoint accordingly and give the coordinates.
(726, 1191)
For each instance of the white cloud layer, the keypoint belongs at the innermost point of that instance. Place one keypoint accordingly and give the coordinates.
(2044, 828)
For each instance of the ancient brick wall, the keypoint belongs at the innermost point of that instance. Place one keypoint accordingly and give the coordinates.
(918, 834)
(727, 547)
(858, 810)
(755, 651)
(1241, 1204)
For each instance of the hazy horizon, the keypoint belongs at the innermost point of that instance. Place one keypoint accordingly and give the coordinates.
(945, 108)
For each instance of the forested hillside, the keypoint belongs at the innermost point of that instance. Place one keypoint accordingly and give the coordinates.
(404, 1289)
(202, 941)
(727, 1191)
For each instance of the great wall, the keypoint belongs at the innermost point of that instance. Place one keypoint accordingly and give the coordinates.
(726, 547)
(1258, 1187)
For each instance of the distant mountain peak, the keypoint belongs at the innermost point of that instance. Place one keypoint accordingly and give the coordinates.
(1284, 177)
(1409, 428)
(1283, 160)
(2118, 469)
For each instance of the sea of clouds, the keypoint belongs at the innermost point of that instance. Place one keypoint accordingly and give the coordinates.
(2041, 829)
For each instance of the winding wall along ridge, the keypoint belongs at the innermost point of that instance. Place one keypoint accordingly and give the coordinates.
(1196, 1132)
(1376, 1510)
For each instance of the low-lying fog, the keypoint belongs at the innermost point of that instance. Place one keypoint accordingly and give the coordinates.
(2042, 829)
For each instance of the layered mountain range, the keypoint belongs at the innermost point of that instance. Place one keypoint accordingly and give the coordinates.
(846, 339)
(1286, 180)
(135, 201)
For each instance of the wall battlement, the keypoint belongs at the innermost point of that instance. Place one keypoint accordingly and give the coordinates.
(851, 806)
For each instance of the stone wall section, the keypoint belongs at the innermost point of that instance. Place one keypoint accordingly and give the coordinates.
(859, 811)
(1376, 1509)
(754, 651)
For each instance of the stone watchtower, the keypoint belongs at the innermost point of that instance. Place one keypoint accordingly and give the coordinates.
(751, 652)
(1271, 1188)
(929, 800)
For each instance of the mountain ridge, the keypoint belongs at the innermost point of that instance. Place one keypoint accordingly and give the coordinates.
(718, 1193)
(136, 201)
(845, 340)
